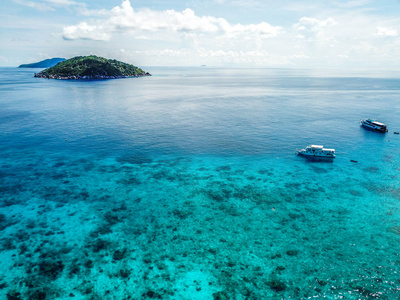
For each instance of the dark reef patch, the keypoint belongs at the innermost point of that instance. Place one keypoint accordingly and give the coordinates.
(131, 180)
(277, 285)
(51, 269)
(14, 295)
(367, 292)
(218, 196)
(120, 254)
(99, 245)
(3, 285)
(101, 230)
(221, 296)
(226, 168)
(3, 222)
(371, 169)
(89, 264)
(124, 273)
(152, 295)
(394, 229)
(8, 244)
(319, 170)
(383, 189)
(182, 213)
(134, 159)
(74, 268)
(111, 219)
(292, 252)
(266, 172)
(37, 295)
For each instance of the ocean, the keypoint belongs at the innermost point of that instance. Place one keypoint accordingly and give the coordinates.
(185, 185)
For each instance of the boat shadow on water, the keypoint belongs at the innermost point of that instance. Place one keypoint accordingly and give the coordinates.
(313, 159)
(371, 133)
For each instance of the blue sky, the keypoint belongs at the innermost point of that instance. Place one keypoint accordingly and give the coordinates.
(254, 33)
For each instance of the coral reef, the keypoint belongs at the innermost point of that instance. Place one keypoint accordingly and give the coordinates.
(138, 228)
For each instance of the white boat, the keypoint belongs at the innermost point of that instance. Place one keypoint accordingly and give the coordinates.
(374, 125)
(316, 151)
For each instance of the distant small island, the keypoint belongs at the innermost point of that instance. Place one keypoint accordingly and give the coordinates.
(91, 67)
(47, 63)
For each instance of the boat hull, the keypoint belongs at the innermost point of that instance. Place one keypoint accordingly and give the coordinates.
(374, 126)
(316, 155)
(316, 151)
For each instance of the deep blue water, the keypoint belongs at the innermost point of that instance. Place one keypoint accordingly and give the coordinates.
(185, 185)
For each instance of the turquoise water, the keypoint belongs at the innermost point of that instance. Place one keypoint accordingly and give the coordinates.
(184, 185)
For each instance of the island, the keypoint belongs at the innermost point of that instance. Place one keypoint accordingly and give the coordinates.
(47, 63)
(91, 67)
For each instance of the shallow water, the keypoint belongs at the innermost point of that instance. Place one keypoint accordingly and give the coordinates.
(184, 185)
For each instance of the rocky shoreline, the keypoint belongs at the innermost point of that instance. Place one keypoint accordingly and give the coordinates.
(77, 77)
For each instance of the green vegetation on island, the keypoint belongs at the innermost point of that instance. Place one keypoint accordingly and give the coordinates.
(91, 67)
(47, 63)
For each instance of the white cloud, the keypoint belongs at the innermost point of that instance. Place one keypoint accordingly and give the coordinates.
(52, 5)
(36, 5)
(314, 24)
(85, 31)
(170, 37)
(124, 19)
(263, 29)
(249, 4)
(61, 2)
(319, 33)
(48, 4)
(384, 31)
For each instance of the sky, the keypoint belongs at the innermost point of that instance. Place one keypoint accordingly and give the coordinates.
(340, 34)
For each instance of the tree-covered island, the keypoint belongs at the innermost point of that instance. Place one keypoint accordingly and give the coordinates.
(91, 67)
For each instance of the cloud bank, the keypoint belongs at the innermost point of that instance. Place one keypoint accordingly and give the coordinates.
(173, 37)
(125, 19)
